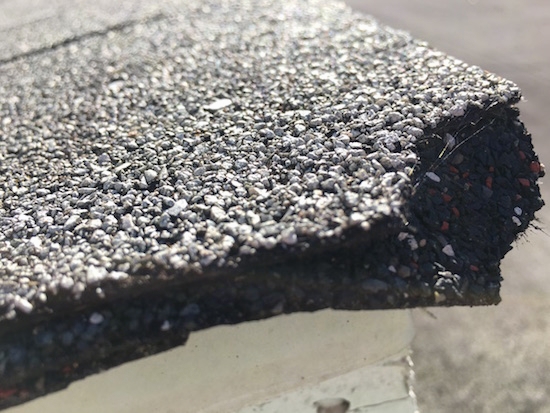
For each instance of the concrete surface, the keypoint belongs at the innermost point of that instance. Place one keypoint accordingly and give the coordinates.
(283, 364)
(493, 359)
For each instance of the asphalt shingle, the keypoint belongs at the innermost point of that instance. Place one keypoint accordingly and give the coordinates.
(234, 160)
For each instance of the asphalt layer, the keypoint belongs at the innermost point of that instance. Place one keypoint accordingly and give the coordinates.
(193, 168)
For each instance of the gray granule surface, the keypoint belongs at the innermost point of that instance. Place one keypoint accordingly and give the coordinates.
(230, 161)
